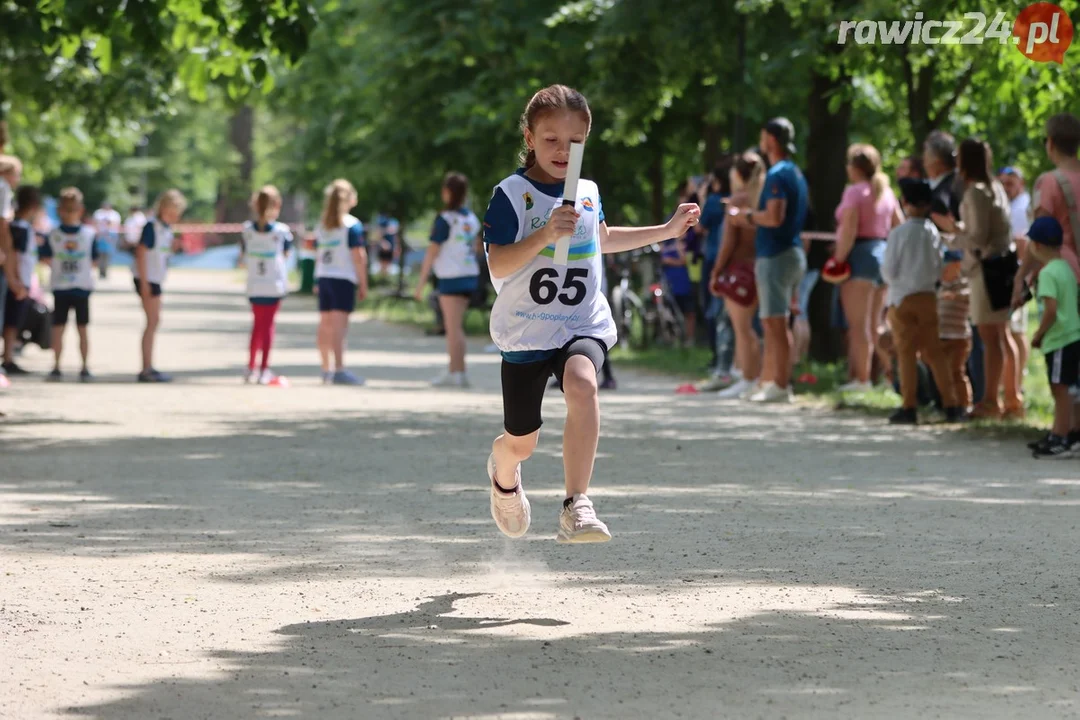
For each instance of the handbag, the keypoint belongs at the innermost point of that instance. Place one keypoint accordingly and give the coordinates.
(999, 276)
(738, 283)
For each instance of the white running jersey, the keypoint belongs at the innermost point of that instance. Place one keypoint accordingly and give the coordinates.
(157, 257)
(72, 258)
(457, 255)
(264, 253)
(27, 260)
(544, 306)
(333, 256)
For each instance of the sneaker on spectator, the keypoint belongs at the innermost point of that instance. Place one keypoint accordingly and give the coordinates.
(251, 377)
(12, 369)
(736, 390)
(1040, 441)
(855, 387)
(1053, 448)
(772, 393)
(344, 377)
(904, 416)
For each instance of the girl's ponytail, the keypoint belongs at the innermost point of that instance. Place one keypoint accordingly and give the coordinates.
(261, 202)
(340, 196)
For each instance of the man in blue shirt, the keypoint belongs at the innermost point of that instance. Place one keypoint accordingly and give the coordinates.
(781, 262)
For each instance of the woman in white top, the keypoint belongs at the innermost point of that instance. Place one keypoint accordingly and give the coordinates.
(452, 254)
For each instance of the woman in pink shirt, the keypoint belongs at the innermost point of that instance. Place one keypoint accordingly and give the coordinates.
(867, 211)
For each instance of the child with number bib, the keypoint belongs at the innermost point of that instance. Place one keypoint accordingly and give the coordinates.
(341, 267)
(264, 245)
(550, 319)
(71, 252)
(452, 254)
(156, 245)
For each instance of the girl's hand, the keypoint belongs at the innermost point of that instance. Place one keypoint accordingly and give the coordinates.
(685, 217)
(1036, 342)
(361, 292)
(563, 221)
(418, 296)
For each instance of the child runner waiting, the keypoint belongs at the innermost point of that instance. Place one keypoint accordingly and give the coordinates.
(72, 252)
(452, 254)
(341, 266)
(25, 249)
(152, 253)
(264, 245)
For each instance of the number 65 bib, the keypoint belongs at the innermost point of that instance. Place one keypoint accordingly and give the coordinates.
(544, 306)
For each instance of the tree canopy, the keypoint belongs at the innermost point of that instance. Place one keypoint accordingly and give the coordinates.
(391, 94)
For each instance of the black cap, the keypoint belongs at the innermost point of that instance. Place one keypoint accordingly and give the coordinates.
(784, 132)
(916, 192)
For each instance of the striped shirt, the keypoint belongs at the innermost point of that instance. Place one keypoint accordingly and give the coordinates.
(953, 302)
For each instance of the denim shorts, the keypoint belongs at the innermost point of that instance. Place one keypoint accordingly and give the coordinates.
(865, 259)
(806, 289)
(778, 278)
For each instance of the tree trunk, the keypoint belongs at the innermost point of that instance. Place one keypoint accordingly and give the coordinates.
(826, 146)
(234, 194)
(712, 136)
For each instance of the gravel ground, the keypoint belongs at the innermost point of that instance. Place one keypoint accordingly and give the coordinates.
(212, 550)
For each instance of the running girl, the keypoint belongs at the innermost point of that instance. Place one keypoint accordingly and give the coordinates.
(151, 265)
(550, 319)
(264, 245)
(341, 266)
(452, 253)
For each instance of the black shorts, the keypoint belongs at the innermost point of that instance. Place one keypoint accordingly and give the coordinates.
(386, 255)
(523, 384)
(1063, 365)
(15, 311)
(155, 288)
(64, 303)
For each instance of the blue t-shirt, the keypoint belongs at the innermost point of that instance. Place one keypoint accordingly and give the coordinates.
(677, 276)
(712, 217)
(389, 227)
(783, 181)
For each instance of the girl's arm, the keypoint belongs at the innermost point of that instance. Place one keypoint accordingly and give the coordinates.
(140, 262)
(505, 260)
(425, 269)
(624, 239)
(360, 260)
(845, 233)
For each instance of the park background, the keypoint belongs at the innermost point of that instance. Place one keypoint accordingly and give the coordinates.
(218, 97)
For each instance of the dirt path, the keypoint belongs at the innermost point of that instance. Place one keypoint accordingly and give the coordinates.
(210, 550)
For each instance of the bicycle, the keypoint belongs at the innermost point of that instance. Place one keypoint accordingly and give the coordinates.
(633, 318)
(669, 323)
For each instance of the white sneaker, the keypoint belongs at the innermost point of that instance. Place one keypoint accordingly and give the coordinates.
(772, 393)
(266, 377)
(451, 380)
(578, 523)
(737, 390)
(251, 377)
(855, 387)
(510, 510)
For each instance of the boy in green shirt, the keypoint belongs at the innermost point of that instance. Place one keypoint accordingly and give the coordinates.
(1058, 335)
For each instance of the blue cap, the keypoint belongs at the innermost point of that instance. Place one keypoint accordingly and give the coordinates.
(1046, 231)
(1010, 170)
(952, 256)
